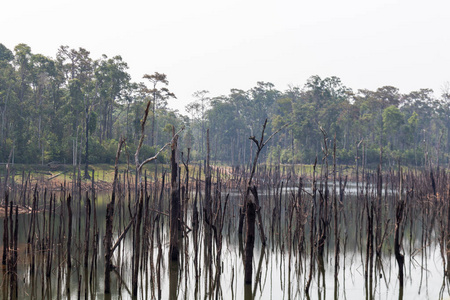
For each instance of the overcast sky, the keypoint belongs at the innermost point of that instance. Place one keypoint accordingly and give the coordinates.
(216, 46)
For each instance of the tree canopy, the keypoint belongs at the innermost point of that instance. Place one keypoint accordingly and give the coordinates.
(74, 109)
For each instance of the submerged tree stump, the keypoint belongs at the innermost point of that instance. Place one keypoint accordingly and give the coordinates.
(69, 231)
(250, 241)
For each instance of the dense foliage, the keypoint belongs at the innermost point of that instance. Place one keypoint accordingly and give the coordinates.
(73, 109)
(408, 128)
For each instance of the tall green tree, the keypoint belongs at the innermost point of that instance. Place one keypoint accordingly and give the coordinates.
(112, 80)
(7, 95)
(160, 96)
(197, 109)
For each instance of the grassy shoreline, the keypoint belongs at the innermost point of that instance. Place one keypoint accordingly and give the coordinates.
(104, 173)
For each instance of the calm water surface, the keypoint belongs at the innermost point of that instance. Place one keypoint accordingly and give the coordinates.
(280, 270)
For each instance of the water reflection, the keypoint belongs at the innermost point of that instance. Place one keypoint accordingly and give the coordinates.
(357, 235)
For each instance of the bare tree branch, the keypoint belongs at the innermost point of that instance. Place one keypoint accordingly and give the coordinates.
(260, 145)
(160, 150)
(141, 140)
(273, 134)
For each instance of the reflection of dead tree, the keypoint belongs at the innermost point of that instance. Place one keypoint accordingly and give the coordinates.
(123, 283)
(312, 231)
(258, 272)
(216, 223)
(136, 245)
(207, 212)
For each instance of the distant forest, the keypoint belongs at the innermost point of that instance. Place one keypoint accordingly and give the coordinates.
(74, 108)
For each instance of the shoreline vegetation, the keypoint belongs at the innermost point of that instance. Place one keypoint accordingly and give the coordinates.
(57, 175)
(74, 109)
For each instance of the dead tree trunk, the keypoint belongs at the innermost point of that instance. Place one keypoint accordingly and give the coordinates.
(259, 146)
(109, 226)
(150, 159)
(5, 232)
(397, 239)
(175, 203)
(137, 246)
(258, 212)
(69, 231)
(250, 241)
(87, 231)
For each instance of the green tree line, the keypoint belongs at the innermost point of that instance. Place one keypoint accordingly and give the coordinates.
(409, 128)
(74, 108)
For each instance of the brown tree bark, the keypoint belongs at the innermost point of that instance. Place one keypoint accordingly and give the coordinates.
(174, 204)
(109, 226)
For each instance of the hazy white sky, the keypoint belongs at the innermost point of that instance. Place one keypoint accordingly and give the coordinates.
(216, 46)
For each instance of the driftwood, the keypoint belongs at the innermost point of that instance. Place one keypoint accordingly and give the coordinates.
(21, 210)
(54, 176)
